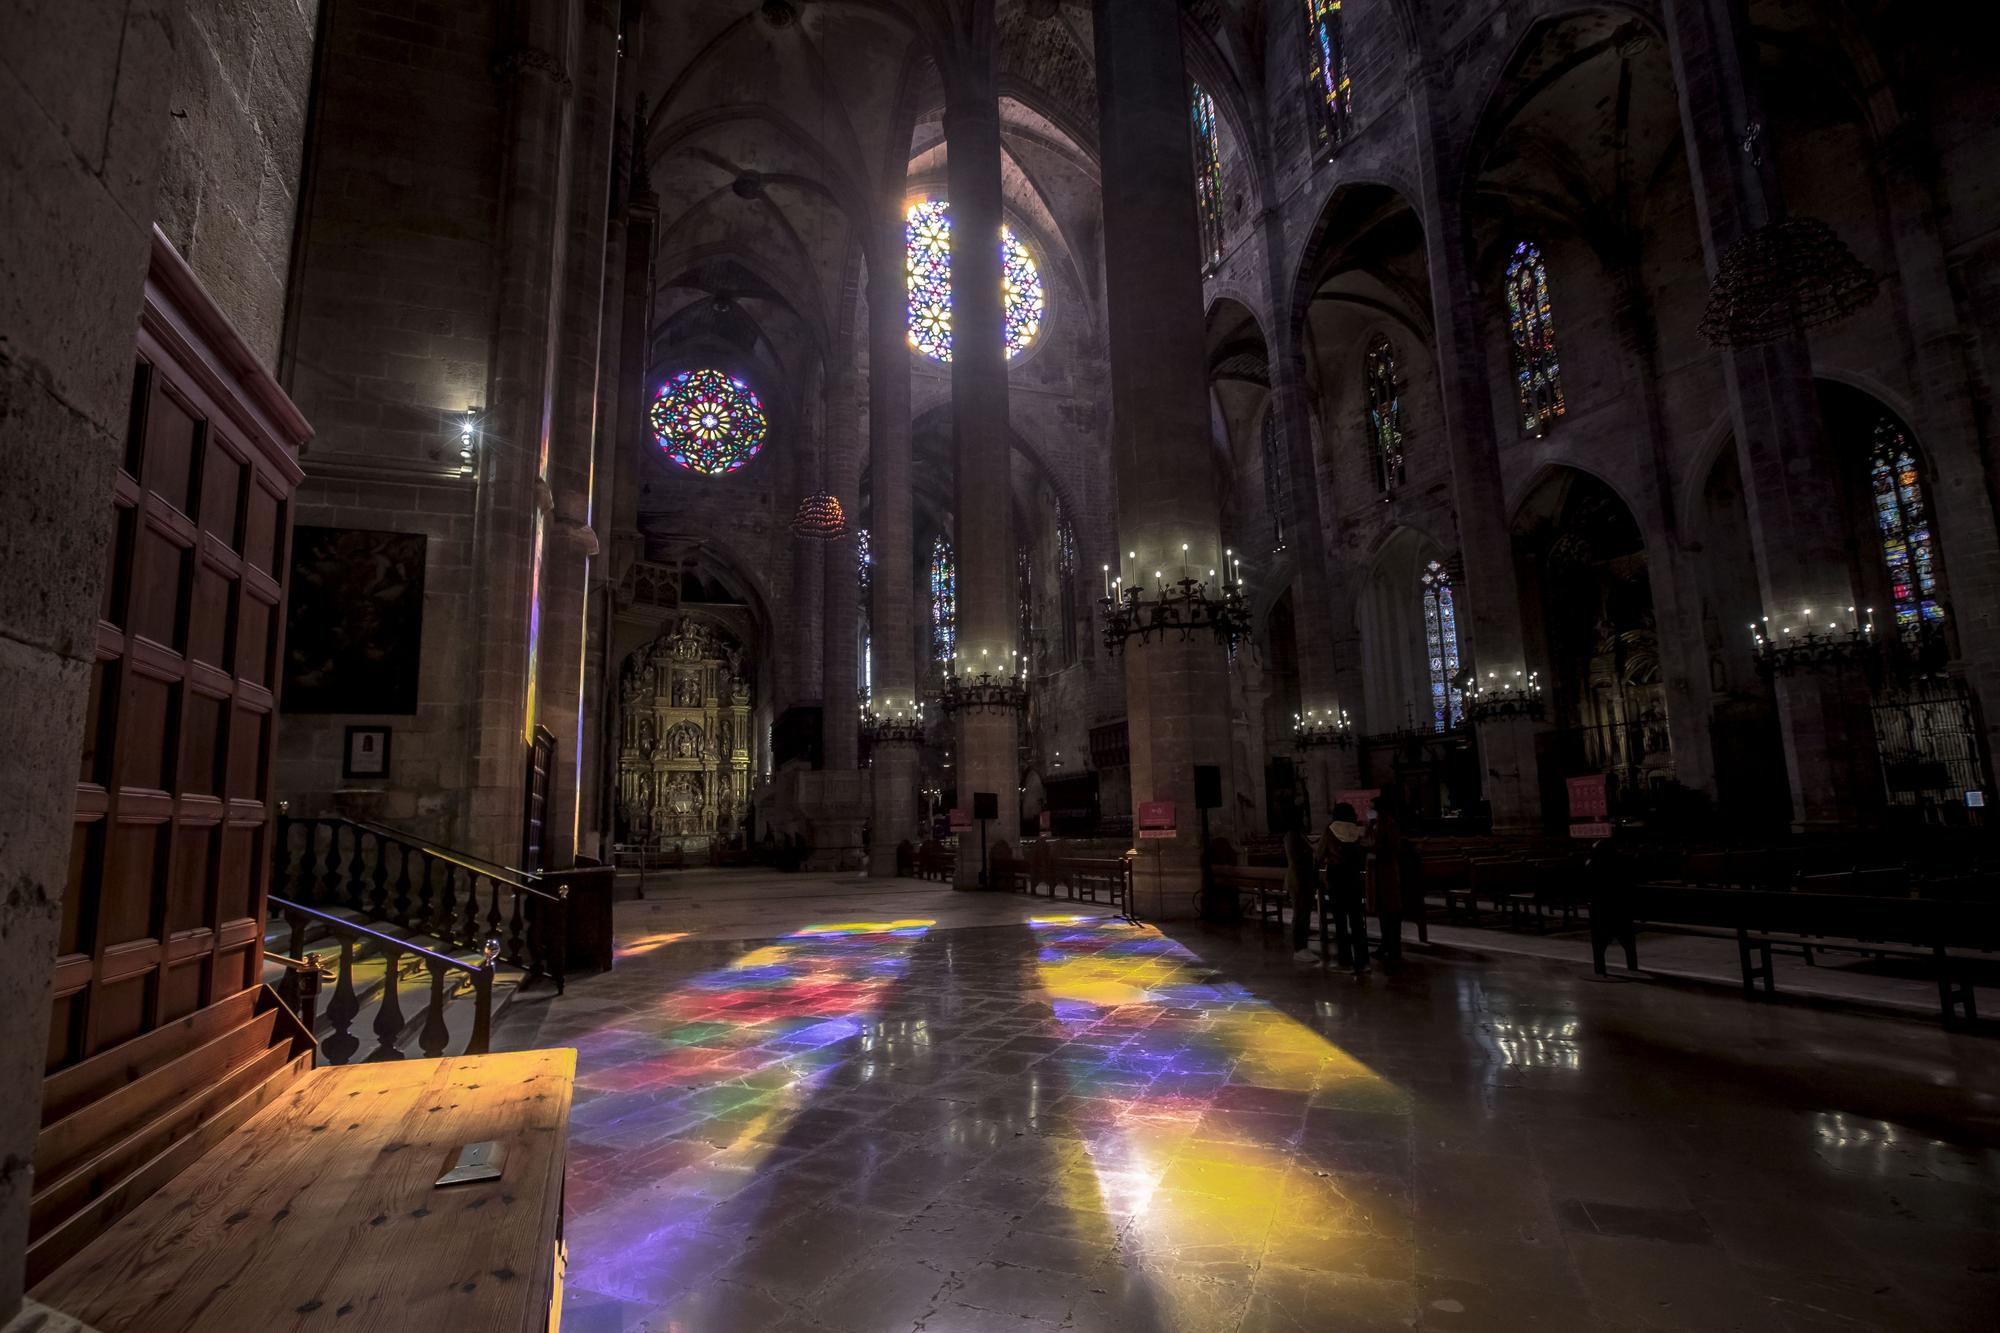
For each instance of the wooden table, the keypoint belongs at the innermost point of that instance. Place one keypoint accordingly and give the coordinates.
(321, 1213)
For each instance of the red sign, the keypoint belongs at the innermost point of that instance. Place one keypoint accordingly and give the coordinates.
(1045, 822)
(1590, 830)
(1587, 799)
(961, 819)
(1362, 799)
(1156, 819)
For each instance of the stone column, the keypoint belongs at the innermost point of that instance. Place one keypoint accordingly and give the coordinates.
(627, 270)
(571, 543)
(890, 584)
(1176, 693)
(841, 594)
(1788, 474)
(988, 745)
(1487, 595)
(1328, 678)
(510, 517)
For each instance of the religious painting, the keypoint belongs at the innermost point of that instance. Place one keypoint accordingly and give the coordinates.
(354, 631)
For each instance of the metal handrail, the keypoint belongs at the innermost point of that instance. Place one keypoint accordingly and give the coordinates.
(512, 877)
(396, 942)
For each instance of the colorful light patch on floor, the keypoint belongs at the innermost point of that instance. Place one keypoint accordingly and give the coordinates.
(1095, 1076)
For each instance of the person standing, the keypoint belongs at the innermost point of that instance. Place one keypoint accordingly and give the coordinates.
(1302, 880)
(1345, 858)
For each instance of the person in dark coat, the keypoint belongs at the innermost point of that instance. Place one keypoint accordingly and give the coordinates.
(1345, 858)
(1302, 880)
(1392, 871)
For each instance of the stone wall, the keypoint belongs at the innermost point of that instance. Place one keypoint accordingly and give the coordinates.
(388, 345)
(235, 141)
(83, 101)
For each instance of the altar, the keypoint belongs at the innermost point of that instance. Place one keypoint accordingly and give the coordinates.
(684, 741)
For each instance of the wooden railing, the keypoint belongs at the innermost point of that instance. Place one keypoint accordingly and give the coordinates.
(339, 1046)
(386, 875)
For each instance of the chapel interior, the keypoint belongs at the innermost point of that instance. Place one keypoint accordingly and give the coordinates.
(875, 666)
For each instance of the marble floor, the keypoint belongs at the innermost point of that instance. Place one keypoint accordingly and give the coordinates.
(826, 1103)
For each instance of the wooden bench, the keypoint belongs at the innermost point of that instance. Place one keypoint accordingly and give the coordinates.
(1262, 887)
(1762, 921)
(1081, 877)
(322, 1211)
(937, 861)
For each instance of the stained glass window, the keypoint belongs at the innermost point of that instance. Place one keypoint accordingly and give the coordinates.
(1066, 572)
(1532, 326)
(864, 563)
(1327, 79)
(1385, 412)
(1277, 480)
(944, 600)
(1207, 171)
(1441, 646)
(927, 244)
(1025, 570)
(709, 422)
(1904, 519)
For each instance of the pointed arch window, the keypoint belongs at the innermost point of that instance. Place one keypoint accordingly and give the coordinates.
(1277, 479)
(944, 600)
(864, 565)
(1441, 646)
(1531, 326)
(1903, 520)
(1207, 171)
(1328, 84)
(1384, 374)
(1066, 579)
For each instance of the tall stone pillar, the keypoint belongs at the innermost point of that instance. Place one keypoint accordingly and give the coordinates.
(1488, 597)
(571, 543)
(620, 428)
(841, 595)
(988, 744)
(1788, 473)
(512, 509)
(1176, 692)
(1321, 597)
(890, 591)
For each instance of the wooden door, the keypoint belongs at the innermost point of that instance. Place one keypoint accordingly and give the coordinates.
(164, 910)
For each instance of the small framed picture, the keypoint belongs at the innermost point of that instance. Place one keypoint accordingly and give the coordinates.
(367, 754)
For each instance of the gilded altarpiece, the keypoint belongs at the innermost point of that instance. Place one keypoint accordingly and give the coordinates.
(684, 740)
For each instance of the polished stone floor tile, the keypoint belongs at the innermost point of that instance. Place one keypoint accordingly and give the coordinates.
(808, 1103)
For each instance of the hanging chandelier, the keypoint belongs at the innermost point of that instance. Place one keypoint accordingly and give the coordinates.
(1315, 729)
(1803, 645)
(1181, 607)
(820, 518)
(1783, 279)
(895, 724)
(983, 690)
(1495, 698)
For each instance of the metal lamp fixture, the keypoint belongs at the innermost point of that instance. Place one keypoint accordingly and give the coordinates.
(1809, 645)
(983, 689)
(1315, 728)
(1496, 696)
(1181, 607)
(898, 722)
(820, 518)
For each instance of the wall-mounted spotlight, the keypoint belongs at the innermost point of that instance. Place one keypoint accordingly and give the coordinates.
(468, 438)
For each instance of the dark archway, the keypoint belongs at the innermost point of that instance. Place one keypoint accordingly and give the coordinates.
(1587, 601)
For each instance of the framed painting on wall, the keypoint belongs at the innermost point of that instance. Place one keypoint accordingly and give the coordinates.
(354, 632)
(366, 754)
